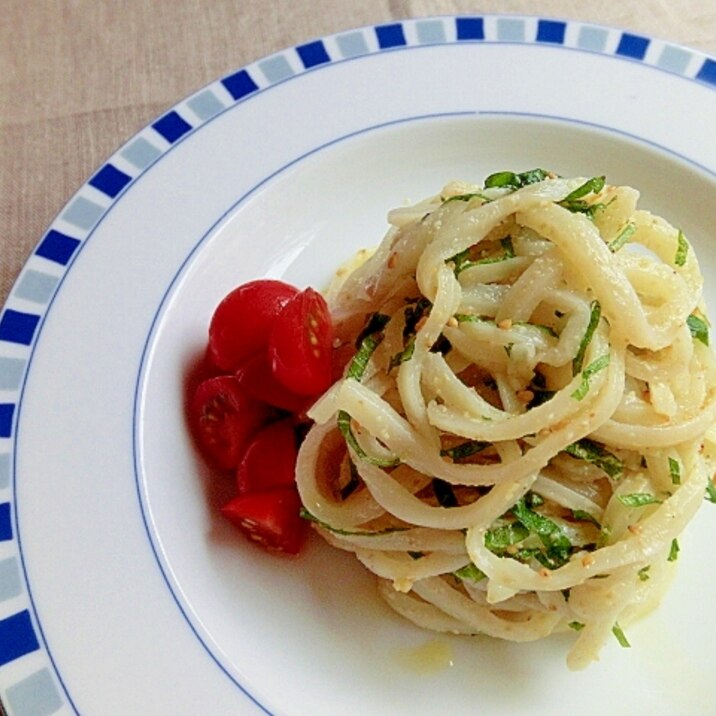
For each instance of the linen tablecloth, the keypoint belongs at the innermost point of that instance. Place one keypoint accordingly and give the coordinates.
(80, 77)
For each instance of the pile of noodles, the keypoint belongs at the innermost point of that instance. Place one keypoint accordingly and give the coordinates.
(524, 427)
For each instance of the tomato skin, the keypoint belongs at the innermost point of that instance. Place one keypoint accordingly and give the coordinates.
(271, 518)
(257, 379)
(224, 417)
(269, 459)
(242, 321)
(300, 344)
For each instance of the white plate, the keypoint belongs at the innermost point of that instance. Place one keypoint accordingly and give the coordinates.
(120, 590)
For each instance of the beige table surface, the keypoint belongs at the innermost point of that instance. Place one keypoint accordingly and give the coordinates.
(80, 77)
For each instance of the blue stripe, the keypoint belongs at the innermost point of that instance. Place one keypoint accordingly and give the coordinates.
(18, 327)
(6, 413)
(35, 695)
(57, 247)
(470, 28)
(17, 637)
(312, 54)
(551, 31)
(633, 46)
(110, 180)
(390, 36)
(10, 584)
(172, 126)
(239, 84)
(5, 522)
(707, 73)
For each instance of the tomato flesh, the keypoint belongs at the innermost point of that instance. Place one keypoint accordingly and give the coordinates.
(270, 349)
(300, 344)
(257, 379)
(269, 518)
(270, 459)
(224, 417)
(242, 321)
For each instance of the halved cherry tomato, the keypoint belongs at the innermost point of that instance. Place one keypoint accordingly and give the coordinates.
(224, 418)
(242, 321)
(300, 344)
(270, 459)
(270, 518)
(257, 379)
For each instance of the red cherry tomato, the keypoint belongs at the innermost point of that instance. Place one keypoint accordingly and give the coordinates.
(270, 459)
(270, 518)
(256, 378)
(300, 344)
(242, 321)
(224, 418)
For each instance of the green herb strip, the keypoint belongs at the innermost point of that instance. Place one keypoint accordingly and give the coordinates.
(574, 201)
(466, 197)
(470, 572)
(584, 516)
(587, 374)
(624, 235)
(412, 313)
(639, 499)
(594, 316)
(682, 249)
(356, 369)
(306, 515)
(359, 363)
(375, 324)
(675, 471)
(596, 454)
(463, 261)
(343, 421)
(402, 356)
(498, 539)
(699, 328)
(643, 573)
(470, 318)
(353, 483)
(673, 551)
(557, 543)
(533, 499)
(464, 450)
(620, 636)
(577, 626)
(502, 179)
(557, 547)
(539, 326)
(710, 491)
(591, 186)
(510, 180)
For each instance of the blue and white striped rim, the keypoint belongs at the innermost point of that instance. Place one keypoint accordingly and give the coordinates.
(30, 684)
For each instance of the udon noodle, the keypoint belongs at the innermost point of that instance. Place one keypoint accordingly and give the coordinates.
(525, 426)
